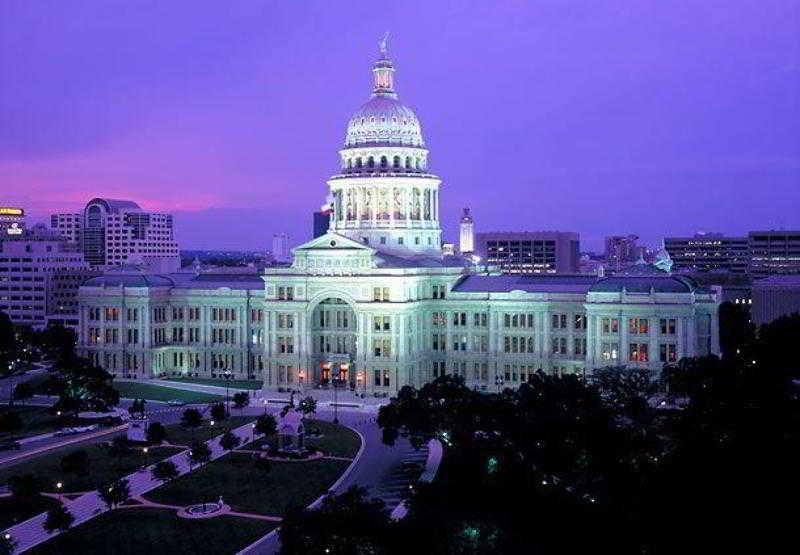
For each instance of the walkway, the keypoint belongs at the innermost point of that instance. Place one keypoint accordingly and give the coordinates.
(31, 533)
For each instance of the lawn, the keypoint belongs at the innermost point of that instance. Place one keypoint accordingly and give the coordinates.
(11, 513)
(248, 488)
(337, 441)
(155, 532)
(233, 384)
(136, 390)
(35, 420)
(103, 468)
(178, 435)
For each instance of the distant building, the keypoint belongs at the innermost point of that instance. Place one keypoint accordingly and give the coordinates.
(706, 252)
(12, 221)
(467, 233)
(322, 221)
(40, 274)
(773, 252)
(448, 249)
(531, 252)
(621, 251)
(280, 247)
(774, 297)
(68, 225)
(117, 232)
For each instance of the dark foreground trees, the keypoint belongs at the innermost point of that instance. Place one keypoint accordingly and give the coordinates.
(562, 465)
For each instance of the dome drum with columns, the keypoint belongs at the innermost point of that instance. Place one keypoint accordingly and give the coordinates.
(385, 196)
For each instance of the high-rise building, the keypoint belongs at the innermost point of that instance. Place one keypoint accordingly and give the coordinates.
(374, 305)
(531, 252)
(280, 247)
(12, 221)
(773, 252)
(68, 225)
(705, 252)
(775, 296)
(117, 232)
(40, 274)
(466, 233)
(621, 251)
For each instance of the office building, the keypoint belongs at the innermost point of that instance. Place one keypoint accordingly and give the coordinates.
(775, 296)
(68, 225)
(621, 251)
(531, 252)
(707, 252)
(12, 222)
(773, 252)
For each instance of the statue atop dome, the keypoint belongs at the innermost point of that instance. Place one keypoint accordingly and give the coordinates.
(384, 44)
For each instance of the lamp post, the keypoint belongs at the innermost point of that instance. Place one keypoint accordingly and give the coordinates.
(265, 406)
(335, 383)
(499, 381)
(227, 375)
(146, 452)
(253, 427)
(59, 485)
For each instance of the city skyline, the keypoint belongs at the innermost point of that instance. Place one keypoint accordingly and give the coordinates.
(224, 120)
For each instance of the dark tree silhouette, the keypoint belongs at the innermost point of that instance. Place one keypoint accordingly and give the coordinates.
(156, 433)
(115, 494)
(217, 412)
(165, 471)
(58, 518)
(230, 441)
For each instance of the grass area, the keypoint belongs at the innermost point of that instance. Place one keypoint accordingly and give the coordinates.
(136, 390)
(156, 532)
(233, 384)
(183, 436)
(35, 420)
(248, 488)
(337, 441)
(102, 469)
(12, 513)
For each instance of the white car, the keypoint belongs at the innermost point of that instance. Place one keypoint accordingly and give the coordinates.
(176, 403)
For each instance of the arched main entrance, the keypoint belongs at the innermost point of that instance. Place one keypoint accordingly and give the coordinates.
(334, 329)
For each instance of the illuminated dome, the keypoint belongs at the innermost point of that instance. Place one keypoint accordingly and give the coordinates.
(384, 120)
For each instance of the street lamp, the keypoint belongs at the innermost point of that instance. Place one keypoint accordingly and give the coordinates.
(254, 431)
(227, 375)
(146, 456)
(265, 406)
(499, 381)
(59, 485)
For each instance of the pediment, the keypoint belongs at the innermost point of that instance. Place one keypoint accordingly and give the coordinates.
(333, 241)
(333, 254)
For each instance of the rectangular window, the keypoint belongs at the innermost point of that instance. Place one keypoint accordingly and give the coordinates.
(580, 322)
(638, 326)
(609, 352)
(668, 352)
(667, 326)
(637, 352)
(610, 325)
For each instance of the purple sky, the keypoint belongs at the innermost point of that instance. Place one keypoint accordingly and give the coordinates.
(643, 117)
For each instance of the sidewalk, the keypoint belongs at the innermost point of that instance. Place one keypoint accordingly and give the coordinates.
(31, 533)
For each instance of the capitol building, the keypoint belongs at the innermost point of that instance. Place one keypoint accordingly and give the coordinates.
(375, 304)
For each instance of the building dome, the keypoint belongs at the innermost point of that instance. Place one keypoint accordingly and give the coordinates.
(384, 121)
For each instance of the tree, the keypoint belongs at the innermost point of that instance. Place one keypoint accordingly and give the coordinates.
(9, 348)
(736, 331)
(308, 405)
(156, 433)
(25, 489)
(76, 462)
(8, 545)
(191, 419)
(217, 412)
(199, 453)
(58, 518)
(347, 523)
(116, 493)
(165, 471)
(240, 400)
(137, 409)
(23, 391)
(81, 386)
(10, 422)
(267, 425)
(230, 441)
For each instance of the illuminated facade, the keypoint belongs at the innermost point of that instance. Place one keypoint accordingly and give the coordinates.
(373, 302)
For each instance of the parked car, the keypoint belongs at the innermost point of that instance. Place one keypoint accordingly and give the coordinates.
(76, 430)
(9, 444)
(176, 402)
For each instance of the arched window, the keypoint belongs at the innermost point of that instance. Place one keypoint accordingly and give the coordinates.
(408, 162)
(396, 162)
(371, 162)
(384, 162)
(359, 164)
(418, 163)
(349, 163)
